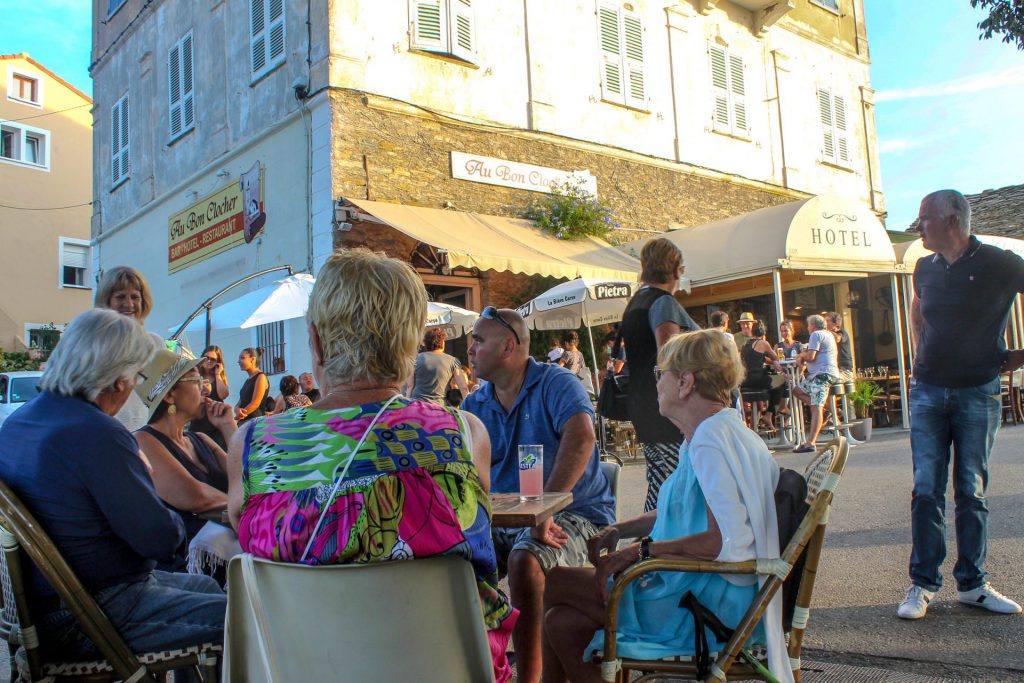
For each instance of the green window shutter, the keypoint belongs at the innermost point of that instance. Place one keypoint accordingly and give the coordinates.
(610, 39)
(633, 64)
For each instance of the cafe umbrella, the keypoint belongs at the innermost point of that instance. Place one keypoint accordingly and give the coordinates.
(455, 321)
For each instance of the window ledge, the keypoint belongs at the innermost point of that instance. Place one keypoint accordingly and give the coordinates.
(29, 103)
(839, 167)
(256, 78)
(119, 183)
(631, 107)
(66, 286)
(735, 136)
(25, 164)
(445, 57)
(179, 136)
(825, 7)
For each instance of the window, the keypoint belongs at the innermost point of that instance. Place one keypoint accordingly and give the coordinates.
(621, 36)
(728, 92)
(270, 338)
(444, 27)
(24, 389)
(120, 161)
(74, 262)
(25, 88)
(42, 336)
(835, 147)
(24, 145)
(832, 5)
(266, 36)
(181, 99)
(113, 6)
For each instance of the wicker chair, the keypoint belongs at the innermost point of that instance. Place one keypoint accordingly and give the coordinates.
(822, 477)
(21, 532)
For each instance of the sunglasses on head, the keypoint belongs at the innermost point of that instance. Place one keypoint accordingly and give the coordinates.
(491, 313)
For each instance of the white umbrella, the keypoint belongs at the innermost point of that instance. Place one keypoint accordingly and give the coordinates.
(283, 300)
(454, 320)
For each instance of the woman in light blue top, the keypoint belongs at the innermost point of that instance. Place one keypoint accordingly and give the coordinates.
(718, 505)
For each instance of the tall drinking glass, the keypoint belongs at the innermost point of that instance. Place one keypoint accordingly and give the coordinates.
(531, 472)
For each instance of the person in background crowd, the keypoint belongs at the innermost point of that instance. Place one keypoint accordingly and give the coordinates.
(614, 360)
(123, 289)
(757, 355)
(746, 323)
(962, 292)
(290, 396)
(844, 344)
(720, 321)
(718, 504)
(435, 370)
(790, 347)
(256, 388)
(820, 358)
(308, 387)
(189, 469)
(555, 355)
(80, 473)
(571, 358)
(526, 402)
(361, 499)
(211, 369)
(651, 318)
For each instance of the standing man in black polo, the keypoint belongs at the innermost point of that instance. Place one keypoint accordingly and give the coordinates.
(962, 292)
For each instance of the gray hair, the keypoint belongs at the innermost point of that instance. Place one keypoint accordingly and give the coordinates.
(816, 321)
(99, 347)
(954, 204)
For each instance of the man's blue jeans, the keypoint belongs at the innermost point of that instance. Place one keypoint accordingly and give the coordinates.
(966, 419)
(163, 612)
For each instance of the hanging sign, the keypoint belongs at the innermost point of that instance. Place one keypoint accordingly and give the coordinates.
(492, 171)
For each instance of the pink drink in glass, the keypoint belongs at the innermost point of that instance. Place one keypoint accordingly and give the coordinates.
(531, 472)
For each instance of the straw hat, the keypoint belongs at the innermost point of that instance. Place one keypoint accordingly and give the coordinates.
(747, 317)
(161, 373)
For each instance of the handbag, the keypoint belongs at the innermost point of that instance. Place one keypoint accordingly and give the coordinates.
(611, 403)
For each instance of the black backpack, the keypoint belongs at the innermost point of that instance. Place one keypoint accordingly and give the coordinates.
(790, 508)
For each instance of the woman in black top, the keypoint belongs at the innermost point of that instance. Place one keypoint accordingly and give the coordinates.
(211, 369)
(254, 391)
(652, 317)
(757, 355)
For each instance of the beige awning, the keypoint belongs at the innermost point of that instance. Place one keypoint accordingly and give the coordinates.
(909, 252)
(827, 234)
(474, 240)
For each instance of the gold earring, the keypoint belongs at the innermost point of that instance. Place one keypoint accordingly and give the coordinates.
(172, 409)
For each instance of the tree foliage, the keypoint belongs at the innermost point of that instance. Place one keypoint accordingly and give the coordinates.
(1005, 18)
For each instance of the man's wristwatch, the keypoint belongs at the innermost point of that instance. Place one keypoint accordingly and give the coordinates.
(645, 548)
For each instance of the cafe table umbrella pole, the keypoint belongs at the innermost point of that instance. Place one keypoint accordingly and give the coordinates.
(593, 352)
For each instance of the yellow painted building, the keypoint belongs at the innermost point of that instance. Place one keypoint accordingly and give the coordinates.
(45, 191)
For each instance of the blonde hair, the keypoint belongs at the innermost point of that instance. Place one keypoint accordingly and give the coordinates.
(370, 311)
(710, 356)
(659, 260)
(122, 277)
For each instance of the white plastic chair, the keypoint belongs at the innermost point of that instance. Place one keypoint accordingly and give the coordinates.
(611, 473)
(417, 620)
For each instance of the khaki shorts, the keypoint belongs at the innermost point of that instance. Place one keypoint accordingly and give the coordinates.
(572, 554)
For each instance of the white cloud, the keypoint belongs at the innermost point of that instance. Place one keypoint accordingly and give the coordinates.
(898, 145)
(959, 86)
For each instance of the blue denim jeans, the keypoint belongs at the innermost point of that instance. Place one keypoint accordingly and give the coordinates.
(966, 419)
(163, 612)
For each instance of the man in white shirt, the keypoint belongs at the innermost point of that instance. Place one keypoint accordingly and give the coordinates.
(820, 357)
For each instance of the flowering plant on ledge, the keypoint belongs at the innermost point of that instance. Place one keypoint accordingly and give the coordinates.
(571, 212)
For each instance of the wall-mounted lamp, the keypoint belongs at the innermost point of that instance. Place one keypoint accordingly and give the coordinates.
(343, 216)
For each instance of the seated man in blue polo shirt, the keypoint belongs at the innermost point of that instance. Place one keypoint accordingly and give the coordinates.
(525, 402)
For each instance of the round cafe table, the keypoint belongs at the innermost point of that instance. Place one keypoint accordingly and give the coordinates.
(796, 432)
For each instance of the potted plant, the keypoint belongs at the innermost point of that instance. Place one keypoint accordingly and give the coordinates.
(862, 397)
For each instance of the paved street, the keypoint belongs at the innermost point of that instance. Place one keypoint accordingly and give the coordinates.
(864, 573)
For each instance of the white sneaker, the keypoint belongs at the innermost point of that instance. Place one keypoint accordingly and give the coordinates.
(988, 597)
(915, 604)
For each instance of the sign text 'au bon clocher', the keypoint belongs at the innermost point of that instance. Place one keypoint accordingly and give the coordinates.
(492, 171)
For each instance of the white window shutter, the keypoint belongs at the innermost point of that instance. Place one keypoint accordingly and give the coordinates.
(828, 132)
(115, 143)
(720, 89)
(842, 141)
(258, 35)
(430, 25)
(738, 94)
(188, 108)
(174, 90)
(125, 160)
(633, 64)
(610, 40)
(463, 29)
(76, 255)
(275, 30)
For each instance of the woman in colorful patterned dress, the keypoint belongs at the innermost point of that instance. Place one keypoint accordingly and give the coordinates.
(365, 474)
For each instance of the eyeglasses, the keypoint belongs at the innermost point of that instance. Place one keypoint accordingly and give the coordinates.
(491, 313)
(197, 380)
(209, 359)
(140, 378)
(658, 372)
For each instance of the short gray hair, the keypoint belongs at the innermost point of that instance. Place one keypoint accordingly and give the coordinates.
(99, 347)
(952, 203)
(816, 320)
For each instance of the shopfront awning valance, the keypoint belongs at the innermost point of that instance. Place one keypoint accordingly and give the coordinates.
(474, 240)
(909, 252)
(827, 234)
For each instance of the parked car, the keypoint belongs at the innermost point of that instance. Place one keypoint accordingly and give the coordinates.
(15, 389)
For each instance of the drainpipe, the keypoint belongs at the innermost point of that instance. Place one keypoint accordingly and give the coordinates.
(782, 136)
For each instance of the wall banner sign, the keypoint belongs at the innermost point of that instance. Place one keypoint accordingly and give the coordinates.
(479, 169)
(219, 221)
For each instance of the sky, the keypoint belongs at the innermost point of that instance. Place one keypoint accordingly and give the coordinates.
(948, 106)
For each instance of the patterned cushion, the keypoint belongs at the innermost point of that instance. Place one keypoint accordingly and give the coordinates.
(82, 668)
(816, 471)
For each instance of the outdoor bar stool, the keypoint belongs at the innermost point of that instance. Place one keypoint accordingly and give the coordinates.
(841, 419)
(754, 398)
